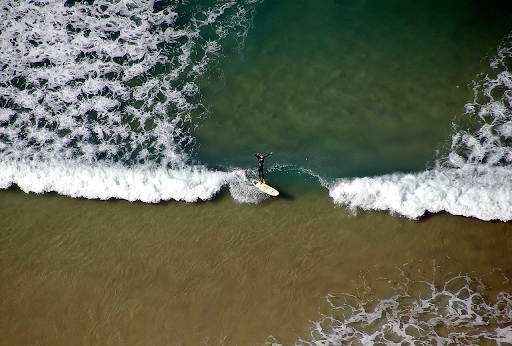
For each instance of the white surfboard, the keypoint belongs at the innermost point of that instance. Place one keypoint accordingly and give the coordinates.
(265, 188)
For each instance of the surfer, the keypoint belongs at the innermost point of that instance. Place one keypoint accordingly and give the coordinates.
(261, 159)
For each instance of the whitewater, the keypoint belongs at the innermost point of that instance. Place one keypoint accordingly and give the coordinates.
(98, 101)
(81, 113)
(418, 311)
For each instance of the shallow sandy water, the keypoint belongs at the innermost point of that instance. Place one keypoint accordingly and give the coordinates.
(87, 272)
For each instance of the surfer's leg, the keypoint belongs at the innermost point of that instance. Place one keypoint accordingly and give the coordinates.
(260, 173)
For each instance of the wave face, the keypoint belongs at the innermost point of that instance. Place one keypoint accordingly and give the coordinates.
(474, 180)
(97, 99)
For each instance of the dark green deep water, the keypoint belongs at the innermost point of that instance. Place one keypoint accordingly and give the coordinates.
(349, 88)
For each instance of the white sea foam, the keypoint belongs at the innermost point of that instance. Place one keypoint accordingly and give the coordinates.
(138, 183)
(243, 191)
(474, 180)
(96, 98)
(459, 310)
(391, 322)
(473, 191)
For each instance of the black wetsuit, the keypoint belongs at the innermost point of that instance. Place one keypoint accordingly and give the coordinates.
(260, 166)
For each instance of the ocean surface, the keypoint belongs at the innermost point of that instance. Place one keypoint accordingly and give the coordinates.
(128, 131)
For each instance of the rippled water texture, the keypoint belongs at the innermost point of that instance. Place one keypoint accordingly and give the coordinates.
(127, 138)
(91, 272)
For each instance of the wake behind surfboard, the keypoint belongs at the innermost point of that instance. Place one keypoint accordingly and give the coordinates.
(265, 188)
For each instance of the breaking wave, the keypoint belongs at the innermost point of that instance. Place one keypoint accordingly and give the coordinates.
(97, 99)
(474, 180)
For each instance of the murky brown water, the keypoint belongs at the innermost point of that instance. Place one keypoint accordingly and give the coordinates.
(85, 272)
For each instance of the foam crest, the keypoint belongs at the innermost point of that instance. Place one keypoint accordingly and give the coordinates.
(138, 183)
(474, 180)
(472, 191)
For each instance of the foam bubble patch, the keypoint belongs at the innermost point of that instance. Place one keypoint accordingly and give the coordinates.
(459, 310)
(243, 191)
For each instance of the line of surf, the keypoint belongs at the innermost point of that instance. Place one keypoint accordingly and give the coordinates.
(474, 180)
(139, 183)
(472, 191)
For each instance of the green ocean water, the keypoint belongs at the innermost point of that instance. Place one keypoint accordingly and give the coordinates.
(348, 88)
(335, 89)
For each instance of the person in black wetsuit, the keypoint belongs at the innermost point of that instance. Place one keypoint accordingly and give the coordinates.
(261, 158)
